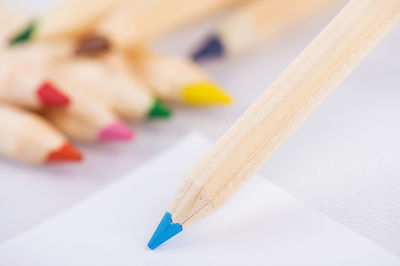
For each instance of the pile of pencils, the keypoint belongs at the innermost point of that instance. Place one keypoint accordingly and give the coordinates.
(62, 78)
(83, 69)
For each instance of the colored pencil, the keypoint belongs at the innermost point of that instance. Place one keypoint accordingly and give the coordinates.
(321, 67)
(29, 138)
(24, 80)
(86, 119)
(11, 20)
(140, 21)
(178, 80)
(109, 80)
(256, 23)
(68, 19)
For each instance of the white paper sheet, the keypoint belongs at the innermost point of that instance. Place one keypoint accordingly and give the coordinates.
(261, 225)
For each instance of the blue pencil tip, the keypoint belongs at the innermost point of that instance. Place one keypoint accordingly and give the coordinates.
(165, 230)
(210, 49)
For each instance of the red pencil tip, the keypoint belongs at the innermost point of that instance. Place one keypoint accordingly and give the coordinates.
(65, 153)
(50, 96)
(116, 131)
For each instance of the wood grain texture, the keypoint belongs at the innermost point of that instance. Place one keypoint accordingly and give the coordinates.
(334, 53)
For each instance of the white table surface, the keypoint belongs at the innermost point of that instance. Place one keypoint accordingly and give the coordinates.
(344, 160)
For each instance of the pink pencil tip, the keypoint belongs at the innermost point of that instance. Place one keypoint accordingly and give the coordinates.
(116, 131)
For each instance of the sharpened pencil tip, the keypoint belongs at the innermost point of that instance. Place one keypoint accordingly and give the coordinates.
(50, 96)
(205, 93)
(25, 34)
(66, 153)
(93, 45)
(165, 230)
(212, 48)
(116, 131)
(159, 110)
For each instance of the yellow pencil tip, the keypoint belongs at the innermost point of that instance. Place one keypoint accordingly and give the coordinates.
(205, 93)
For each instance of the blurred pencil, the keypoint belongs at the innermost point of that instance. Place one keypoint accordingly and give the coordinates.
(86, 119)
(28, 138)
(22, 74)
(255, 23)
(110, 80)
(68, 19)
(24, 80)
(11, 20)
(135, 22)
(31, 90)
(179, 80)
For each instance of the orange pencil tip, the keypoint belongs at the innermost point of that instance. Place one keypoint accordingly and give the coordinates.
(66, 153)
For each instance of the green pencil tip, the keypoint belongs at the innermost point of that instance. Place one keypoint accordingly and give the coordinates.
(159, 110)
(25, 34)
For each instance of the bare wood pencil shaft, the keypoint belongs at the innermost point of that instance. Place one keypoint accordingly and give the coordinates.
(73, 18)
(160, 72)
(282, 108)
(84, 118)
(264, 19)
(141, 21)
(113, 84)
(25, 136)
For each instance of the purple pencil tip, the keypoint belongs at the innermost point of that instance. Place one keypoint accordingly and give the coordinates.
(212, 48)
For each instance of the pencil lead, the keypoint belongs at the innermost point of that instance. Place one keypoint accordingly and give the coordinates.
(205, 93)
(116, 131)
(212, 48)
(159, 110)
(65, 153)
(25, 34)
(50, 96)
(165, 230)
